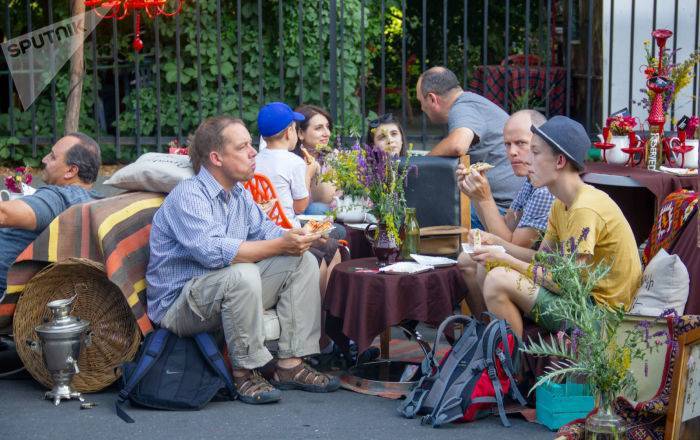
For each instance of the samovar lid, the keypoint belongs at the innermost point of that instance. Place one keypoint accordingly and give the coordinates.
(62, 322)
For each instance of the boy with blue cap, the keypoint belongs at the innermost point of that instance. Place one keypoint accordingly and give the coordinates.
(581, 212)
(289, 174)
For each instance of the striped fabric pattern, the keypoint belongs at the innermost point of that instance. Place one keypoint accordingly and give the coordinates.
(112, 231)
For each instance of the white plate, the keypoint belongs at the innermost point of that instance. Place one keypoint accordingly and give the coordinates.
(405, 267)
(467, 248)
(426, 260)
(306, 218)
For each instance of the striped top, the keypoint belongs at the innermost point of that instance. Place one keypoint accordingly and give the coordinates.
(199, 228)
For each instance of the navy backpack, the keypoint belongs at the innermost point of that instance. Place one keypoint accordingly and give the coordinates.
(174, 373)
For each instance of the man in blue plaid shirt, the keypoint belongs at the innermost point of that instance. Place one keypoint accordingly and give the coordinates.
(521, 227)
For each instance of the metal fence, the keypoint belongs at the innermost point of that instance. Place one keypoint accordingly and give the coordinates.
(560, 69)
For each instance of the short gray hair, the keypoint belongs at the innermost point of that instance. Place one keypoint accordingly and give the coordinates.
(536, 117)
(439, 80)
(86, 155)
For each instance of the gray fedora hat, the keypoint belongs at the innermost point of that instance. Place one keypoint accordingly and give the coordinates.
(567, 137)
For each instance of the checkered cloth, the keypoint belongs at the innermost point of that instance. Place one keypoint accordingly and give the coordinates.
(535, 204)
(496, 85)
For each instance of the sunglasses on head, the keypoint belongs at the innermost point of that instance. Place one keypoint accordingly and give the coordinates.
(383, 119)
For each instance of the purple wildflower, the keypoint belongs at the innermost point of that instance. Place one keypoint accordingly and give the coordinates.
(584, 234)
(575, 335)
(646, 368)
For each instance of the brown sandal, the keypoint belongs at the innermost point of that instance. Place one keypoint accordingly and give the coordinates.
(305, 378)
(254, 389)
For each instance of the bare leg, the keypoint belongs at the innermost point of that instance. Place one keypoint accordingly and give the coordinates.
(508, 294)
(474, 275)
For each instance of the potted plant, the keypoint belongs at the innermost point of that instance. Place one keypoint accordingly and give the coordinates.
(589, 349)
(17, 184)
(620, 128)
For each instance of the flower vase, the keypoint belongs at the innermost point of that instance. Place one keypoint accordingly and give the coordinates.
(384, 246)
(605, 424)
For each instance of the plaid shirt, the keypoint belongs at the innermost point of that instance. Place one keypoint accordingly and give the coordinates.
(198, 229)
(535, 204)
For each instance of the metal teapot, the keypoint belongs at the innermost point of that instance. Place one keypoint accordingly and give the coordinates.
(60, 342)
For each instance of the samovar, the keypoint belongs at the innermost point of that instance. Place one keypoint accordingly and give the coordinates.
(60, 342)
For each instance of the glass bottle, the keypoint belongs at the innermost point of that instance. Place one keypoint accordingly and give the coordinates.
(411, 241)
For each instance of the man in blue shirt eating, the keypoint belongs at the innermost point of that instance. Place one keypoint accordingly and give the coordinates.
(217, 262)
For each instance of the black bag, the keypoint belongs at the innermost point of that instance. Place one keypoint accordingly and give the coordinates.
(174, 373)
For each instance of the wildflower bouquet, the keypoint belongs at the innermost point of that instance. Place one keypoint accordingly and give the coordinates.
(368, 171)
(591, 350)
(621, 125)
(679, 75)
(21, 176)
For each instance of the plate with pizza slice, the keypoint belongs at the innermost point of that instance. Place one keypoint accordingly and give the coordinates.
(323, 227)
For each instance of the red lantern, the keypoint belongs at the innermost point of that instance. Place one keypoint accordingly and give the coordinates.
(120, 9)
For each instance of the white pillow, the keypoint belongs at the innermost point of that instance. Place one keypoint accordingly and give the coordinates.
(665, 285)
(155, 172)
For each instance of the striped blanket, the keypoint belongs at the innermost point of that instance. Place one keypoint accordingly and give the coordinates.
(112, 231)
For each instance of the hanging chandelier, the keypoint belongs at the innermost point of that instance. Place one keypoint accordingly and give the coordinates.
(120, 9)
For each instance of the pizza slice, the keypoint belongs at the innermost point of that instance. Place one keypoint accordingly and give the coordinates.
(480, 166)
(318, 227)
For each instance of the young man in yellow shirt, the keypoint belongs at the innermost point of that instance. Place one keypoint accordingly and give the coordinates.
(559, 148)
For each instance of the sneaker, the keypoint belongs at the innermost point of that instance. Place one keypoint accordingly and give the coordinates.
(255, 390)
(305, 378)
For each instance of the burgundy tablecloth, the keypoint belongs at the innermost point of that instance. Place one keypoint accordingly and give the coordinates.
(361, 305)
(660, 184)
(357, 243)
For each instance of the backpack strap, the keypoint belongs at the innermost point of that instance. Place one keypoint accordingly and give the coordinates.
(466, 320)
(490, 340)
(215, 360)
(151, 352)
(510, 367)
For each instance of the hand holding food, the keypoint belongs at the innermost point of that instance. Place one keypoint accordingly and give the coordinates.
(318, 227)
(480, 167)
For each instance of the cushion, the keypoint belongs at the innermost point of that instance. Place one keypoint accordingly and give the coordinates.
(154, 172)
(665, 284)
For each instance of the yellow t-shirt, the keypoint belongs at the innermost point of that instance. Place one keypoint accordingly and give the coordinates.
(610, 240)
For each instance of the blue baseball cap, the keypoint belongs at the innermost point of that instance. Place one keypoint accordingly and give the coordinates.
(275, 117)
(567, 137)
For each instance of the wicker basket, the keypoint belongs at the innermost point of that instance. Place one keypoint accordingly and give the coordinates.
(115, 335)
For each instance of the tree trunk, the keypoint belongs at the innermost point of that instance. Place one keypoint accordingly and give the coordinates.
(77, 69)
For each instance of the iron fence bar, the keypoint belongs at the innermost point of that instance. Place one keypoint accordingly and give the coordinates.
(527, 53)
(10, 89)
(300, 16)
(320, 50)
(363, 73)
(137, 110)
(31, 82)
(239, 65)
(485, 47)
(332, 59)
(342, 65)
(382, 89)
(178, 79)
(444, 33)
(280, 32)
(159, 127)
(198, 48)
(95, 110)
(548, 70)
(507, 51)
(404, 115)
(219, 76)
(424, 52)
(697, 69)
(261, 59)
(631, 71)
(465, 56)
(610, 54)
(675, 46)
(589, 67)
(117, 98)
(569, 24)
(54, 129)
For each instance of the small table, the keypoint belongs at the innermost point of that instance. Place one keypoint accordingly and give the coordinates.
(637, 191)
(361, 303)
